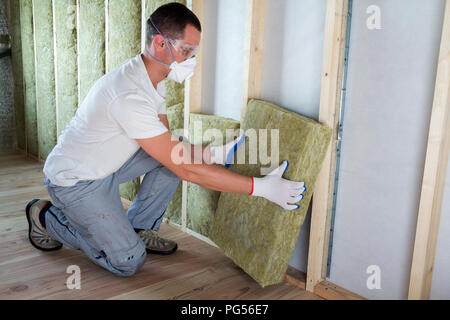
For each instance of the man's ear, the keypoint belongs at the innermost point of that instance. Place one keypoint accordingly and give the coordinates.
(158, 42)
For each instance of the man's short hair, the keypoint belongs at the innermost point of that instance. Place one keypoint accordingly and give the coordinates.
(171, 19)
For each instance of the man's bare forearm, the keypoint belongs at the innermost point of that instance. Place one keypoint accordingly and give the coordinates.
(213, 176)
(218, 178)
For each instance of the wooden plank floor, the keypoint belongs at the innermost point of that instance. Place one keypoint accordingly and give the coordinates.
(196, 271)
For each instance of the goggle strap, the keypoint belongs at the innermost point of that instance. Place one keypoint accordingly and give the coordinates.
(167, 44)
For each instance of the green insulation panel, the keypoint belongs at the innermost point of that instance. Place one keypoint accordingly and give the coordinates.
(258, 235)
(91, 46)
(175, 116)
(17, 66)
(125, 23)
(7, 135)
(202, 202)
(173, 211)
(174, 93)
(66, 62)
(45, 76)
(129, 190)
(174, 90)
(26, 27)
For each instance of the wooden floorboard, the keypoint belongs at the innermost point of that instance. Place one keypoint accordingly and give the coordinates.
(196, 271)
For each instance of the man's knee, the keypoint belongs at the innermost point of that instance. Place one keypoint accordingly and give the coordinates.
(127, 262)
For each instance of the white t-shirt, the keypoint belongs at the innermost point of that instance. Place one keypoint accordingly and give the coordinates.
(120, 107)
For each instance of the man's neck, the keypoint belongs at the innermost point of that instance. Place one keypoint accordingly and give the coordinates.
(156, 72)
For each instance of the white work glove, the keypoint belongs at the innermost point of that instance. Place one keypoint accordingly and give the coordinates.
(278, 190)
(224, 154)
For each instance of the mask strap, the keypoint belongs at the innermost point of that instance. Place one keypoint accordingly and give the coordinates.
(164, 64)
(167, 44)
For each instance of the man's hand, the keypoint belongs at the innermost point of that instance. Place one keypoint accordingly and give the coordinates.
(278, 190)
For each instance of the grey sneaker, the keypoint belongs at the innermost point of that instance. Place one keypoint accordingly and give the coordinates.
(156, 244)
(37, 234)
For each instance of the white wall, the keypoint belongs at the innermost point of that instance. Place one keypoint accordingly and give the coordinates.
(223, 42)
(292, 55)
(390, 89)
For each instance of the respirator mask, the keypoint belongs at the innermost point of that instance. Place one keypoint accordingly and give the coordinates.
(179, 71)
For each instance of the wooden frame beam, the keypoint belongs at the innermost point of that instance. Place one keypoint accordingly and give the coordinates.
(330, 98)
(324, 289)
(434, 176)
(192, 100)
(194, 86)
(253, 52)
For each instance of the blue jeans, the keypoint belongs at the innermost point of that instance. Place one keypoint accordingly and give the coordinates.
(89, 216)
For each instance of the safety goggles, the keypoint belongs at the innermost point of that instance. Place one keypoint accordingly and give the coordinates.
(186, 50)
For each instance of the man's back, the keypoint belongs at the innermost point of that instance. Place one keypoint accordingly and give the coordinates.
(100, 137)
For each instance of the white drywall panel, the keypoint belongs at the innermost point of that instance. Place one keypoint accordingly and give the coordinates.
(390, 90)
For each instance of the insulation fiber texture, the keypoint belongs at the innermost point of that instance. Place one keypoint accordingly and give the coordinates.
(66, 62)
(124, 23)
(202, 202)
(17, 66)
(258, 235)
(27, 37)
(7, 138)
(125, 26)
(45, 76)
(175, 116)
(91, 44)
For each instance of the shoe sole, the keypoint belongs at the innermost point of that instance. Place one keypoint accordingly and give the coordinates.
(164, 253)
(27, 211)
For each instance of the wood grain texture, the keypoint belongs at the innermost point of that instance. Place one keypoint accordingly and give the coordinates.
(196, 271)
(330, 291)
(330, 97)
(433, 183)
(253, 52)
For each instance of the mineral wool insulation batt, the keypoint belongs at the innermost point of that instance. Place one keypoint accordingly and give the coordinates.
(66, 62)
(26, 25)
(91, 46)
(202, 203)
(175, 116)
(258, 235)
(124, 42)
(17, 68)
(45, 76)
